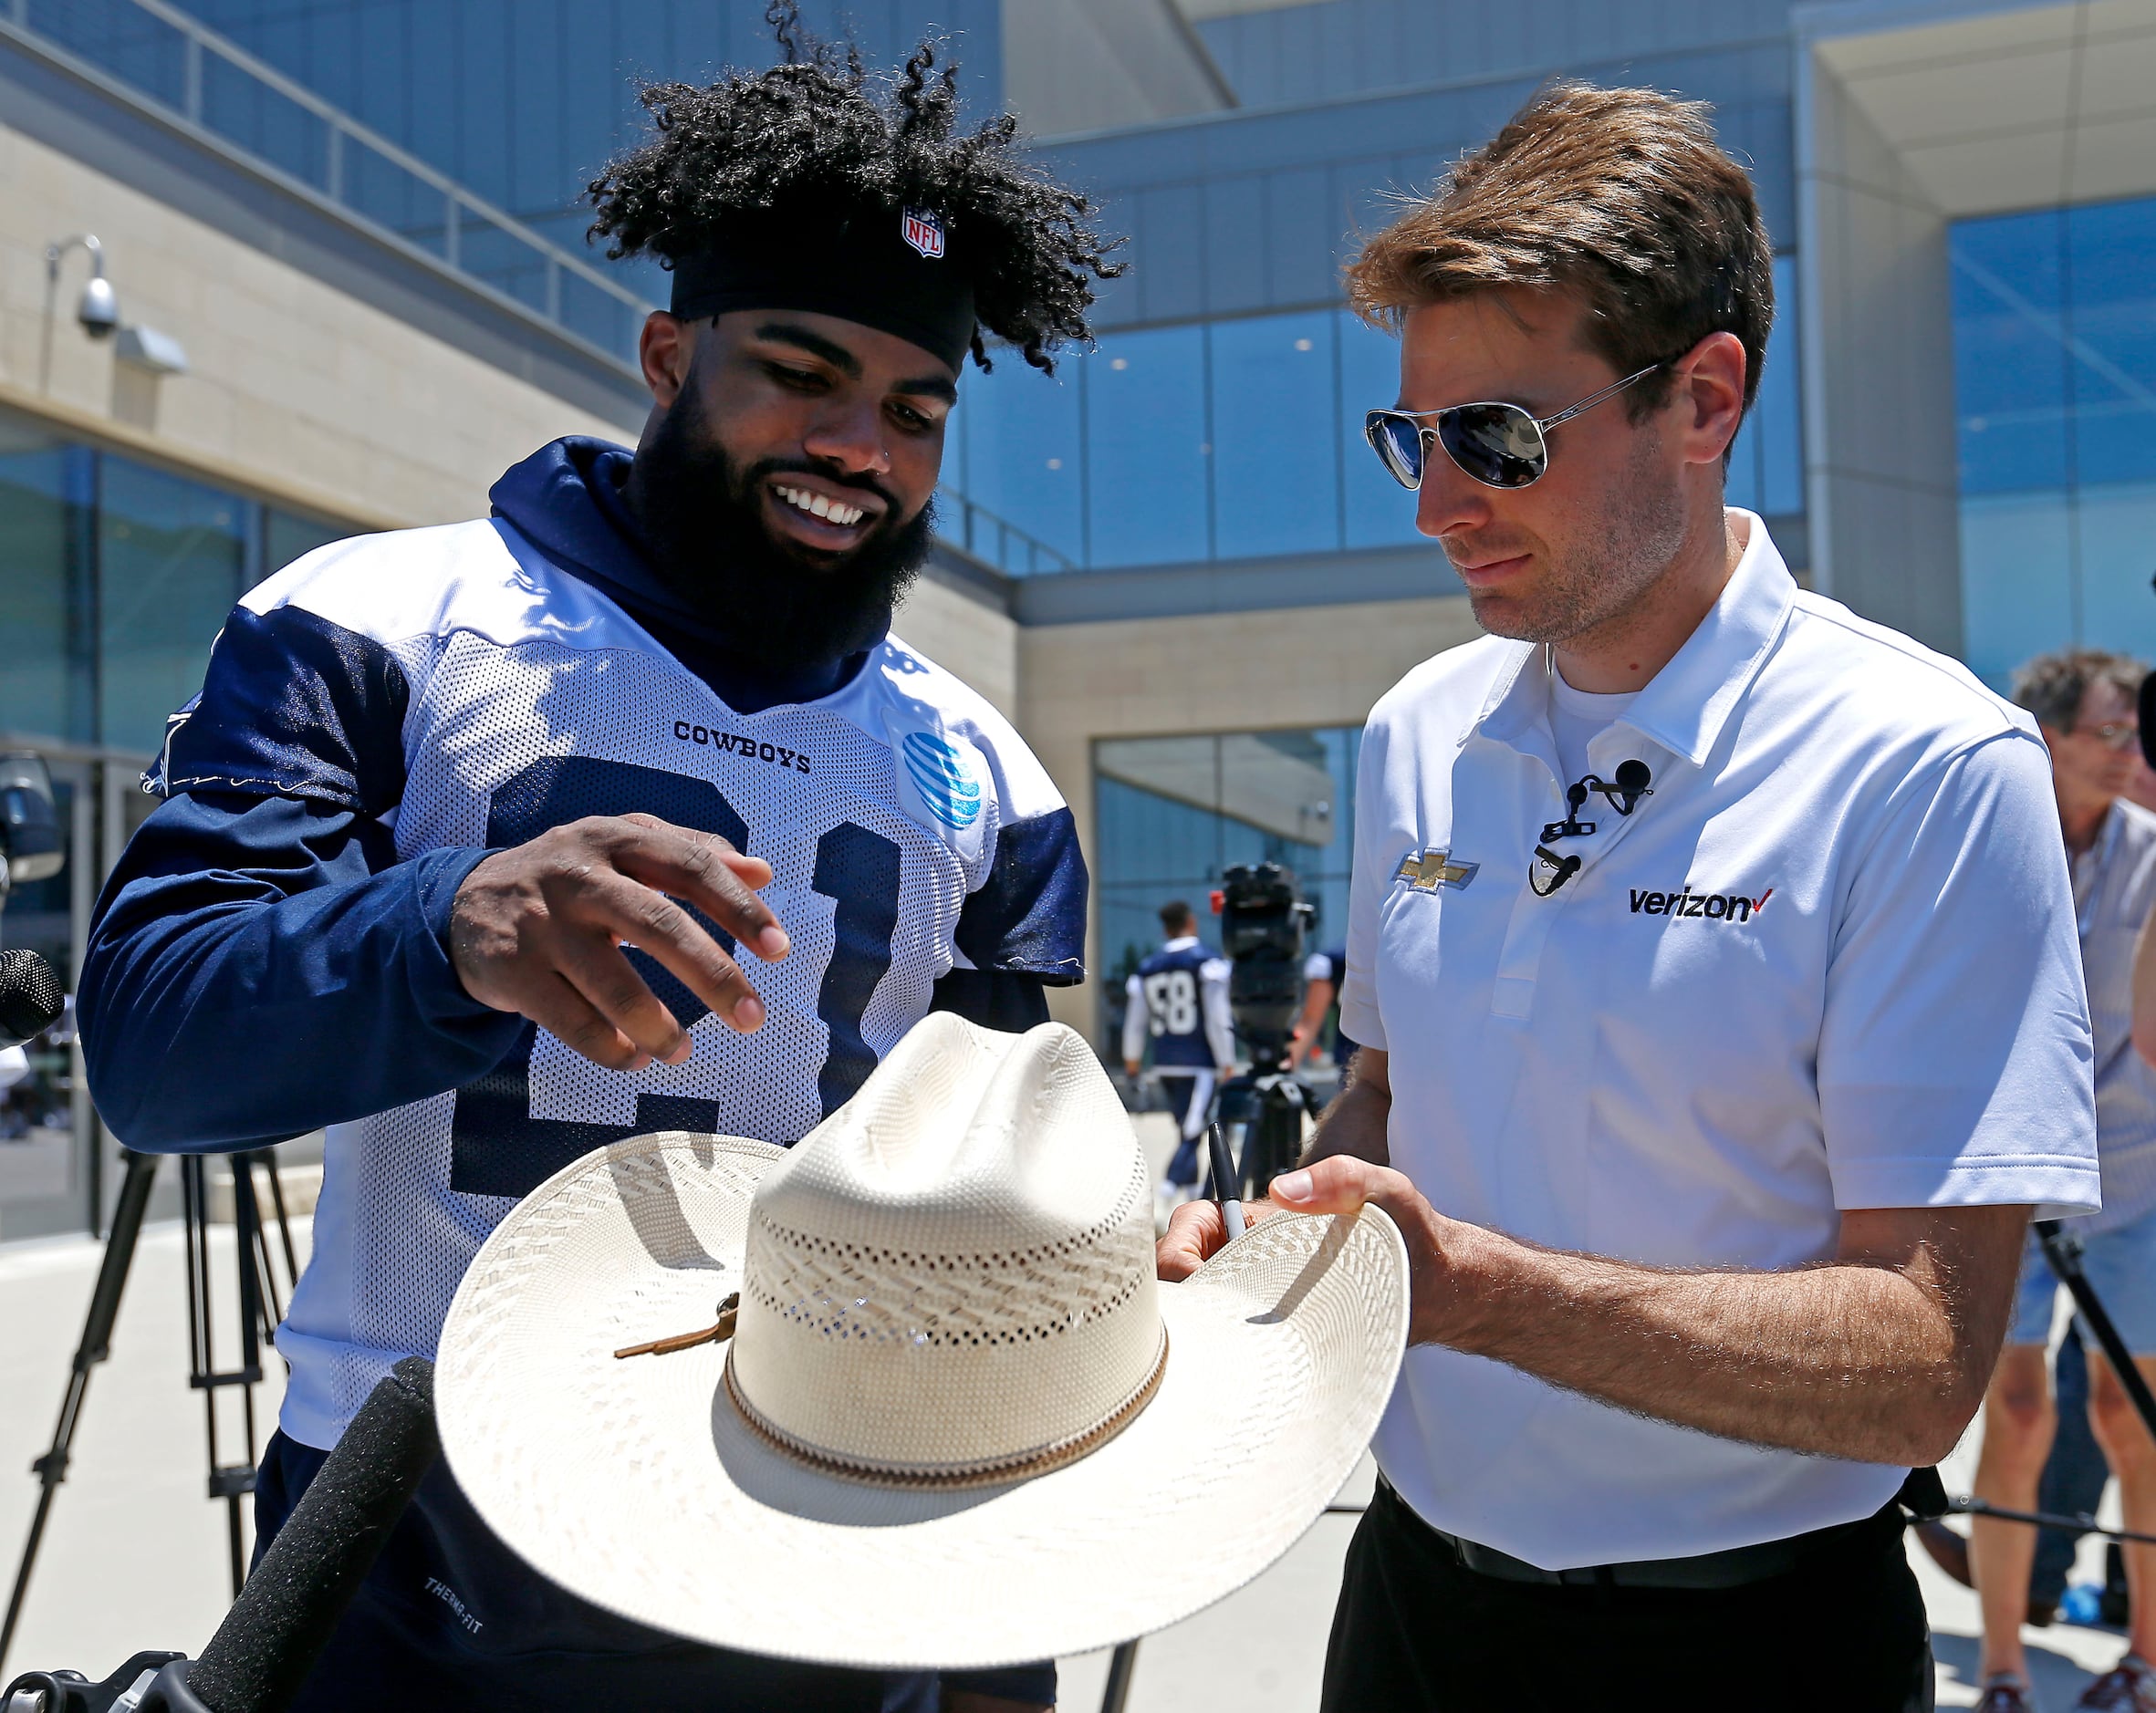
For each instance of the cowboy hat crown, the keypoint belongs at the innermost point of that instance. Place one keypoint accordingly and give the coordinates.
(951, 1279)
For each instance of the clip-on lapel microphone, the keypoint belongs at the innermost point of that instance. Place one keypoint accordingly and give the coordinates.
(1633, 781)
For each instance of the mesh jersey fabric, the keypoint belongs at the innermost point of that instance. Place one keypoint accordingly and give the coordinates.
(1178, 997)
(463, 691)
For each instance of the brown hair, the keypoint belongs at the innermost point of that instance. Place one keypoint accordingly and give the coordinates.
(2051, 686)
(1620, 197)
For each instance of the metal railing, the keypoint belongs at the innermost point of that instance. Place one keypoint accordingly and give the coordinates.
(995, 541)
(152, 53)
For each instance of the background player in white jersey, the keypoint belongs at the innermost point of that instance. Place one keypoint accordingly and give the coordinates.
(439, 781)
(1178, 998)
(1324, 974)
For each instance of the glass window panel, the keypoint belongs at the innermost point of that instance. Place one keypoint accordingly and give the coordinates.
(1173, 813)
(2111, 292)
(1019, 462)
(172, 557)
(1776, 416)
(2016, 584)
(2117, 552)
(45, 662)
(286, 537)
(2009, 376)
(1146, 448)
(1379, 513)
(1740, 483)
(1275, 455)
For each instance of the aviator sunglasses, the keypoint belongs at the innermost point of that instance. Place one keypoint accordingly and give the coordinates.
(1500, 445)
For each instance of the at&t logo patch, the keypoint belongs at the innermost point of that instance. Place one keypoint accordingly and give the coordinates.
(944, 784)
(948, 789)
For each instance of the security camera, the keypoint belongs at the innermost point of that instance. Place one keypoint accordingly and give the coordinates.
(99, 312)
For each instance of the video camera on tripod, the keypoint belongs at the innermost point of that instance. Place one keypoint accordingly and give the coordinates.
(1263, 918)
(31, 997)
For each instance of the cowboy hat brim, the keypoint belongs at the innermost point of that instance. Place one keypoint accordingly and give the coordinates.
(635, 1483)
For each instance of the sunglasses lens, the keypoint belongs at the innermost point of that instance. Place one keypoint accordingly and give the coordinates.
(1399, 445)
(1497, 445)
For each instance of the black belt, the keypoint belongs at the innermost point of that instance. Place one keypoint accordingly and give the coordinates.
(1736, 1567)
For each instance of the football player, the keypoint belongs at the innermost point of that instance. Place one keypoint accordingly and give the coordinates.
(618, 810)
(1179, 998)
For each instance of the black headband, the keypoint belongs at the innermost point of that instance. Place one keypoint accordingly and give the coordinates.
(887, 268)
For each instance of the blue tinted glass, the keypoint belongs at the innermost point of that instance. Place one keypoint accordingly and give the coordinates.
(1275, 454)
(2115, 551)
(2016, 594)
(172, 558)
(44, 646)
(2055, 352)
(1146, 448)
(1379, 513)
(1740, 484)
(2009, 368)
(1173, 813)
(1016, 456)
(2112, 283)
(1777, 417)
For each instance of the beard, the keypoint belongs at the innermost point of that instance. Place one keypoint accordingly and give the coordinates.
(703, 522)
(1598, 586)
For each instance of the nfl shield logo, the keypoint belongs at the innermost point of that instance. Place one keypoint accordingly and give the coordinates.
(924, 232)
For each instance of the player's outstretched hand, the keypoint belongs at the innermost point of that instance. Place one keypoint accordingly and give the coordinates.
(540, 930)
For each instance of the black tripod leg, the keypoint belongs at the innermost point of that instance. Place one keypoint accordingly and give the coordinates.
(1122, 1665)
(51, 1468)
(2064, 1253)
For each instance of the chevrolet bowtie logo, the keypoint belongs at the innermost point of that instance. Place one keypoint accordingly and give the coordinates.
(1426, 870)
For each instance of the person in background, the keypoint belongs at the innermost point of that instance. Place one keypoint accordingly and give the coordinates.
(1323, 973)
(2084, 703)
(1179, 998)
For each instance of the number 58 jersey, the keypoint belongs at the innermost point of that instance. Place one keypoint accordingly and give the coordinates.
(486, 696)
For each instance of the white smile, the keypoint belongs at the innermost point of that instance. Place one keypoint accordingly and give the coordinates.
(817, 505)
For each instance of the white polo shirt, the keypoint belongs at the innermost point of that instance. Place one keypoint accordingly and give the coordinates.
(1830, 962)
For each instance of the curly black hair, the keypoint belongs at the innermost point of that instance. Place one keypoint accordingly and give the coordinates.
(813, 127)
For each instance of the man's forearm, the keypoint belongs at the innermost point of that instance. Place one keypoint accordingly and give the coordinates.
(1848, 1359)
(1881, 1355)
(1354, 1123)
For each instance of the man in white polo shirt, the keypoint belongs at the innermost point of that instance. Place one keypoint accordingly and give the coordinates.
(1712, 954)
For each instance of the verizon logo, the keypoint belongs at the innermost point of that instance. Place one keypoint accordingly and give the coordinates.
(1712, 907)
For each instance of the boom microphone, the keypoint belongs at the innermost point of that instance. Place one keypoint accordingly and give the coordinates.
(276, 1629)
(31, 1001)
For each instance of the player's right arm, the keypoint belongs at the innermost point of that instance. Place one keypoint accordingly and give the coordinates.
(262, 963)
(1135, 1023)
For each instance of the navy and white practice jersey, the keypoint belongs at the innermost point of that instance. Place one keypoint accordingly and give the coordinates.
(1179, 999)
(461, 692)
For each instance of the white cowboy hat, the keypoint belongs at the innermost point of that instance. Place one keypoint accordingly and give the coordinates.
(957, 1422)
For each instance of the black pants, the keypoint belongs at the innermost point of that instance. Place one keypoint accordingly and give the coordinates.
(451, 1621)
(1845, 1631)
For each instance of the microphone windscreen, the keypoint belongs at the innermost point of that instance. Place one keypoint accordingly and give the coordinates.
(2149, 720)
(31, 999)
(1632, 777)
(275, 1630)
